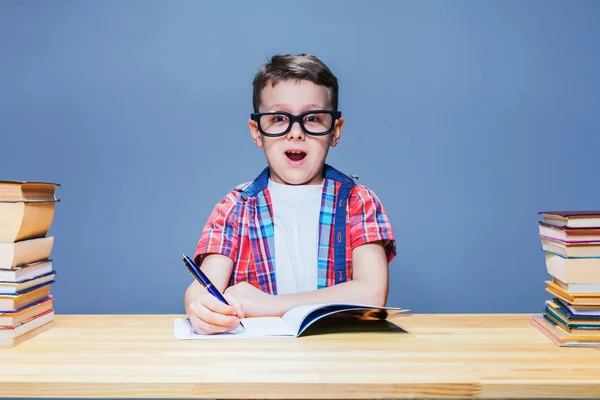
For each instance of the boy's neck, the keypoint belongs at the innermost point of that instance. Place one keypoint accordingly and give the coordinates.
(315, 181)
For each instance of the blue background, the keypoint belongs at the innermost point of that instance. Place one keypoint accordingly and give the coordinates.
(465, 117)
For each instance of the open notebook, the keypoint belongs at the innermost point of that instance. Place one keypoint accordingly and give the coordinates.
(293, 323)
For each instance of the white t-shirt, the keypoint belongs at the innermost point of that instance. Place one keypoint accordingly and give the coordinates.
(296, 228)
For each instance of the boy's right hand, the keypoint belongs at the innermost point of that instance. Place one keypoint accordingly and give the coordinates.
(208, 315)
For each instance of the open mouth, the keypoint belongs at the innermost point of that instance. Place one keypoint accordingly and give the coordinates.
(295, 155)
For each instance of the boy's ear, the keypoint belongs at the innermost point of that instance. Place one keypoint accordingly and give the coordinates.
(337, 132)
(255, 133)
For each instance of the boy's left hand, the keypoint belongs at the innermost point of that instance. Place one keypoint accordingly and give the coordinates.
(254, 301)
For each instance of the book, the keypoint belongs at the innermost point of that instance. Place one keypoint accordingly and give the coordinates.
(571, 244)
(573, 249)
(10, 337)
(12, 302)
(573, 270)
(576, 288)
(560, 337)
(24, 272)
(25, 252)
(25, 284)
(294, 323)
(568, 235)
(572, 219)
(560, 307)
(27, 190)
(585, 299)
(577, 310)
(581, 327)
(24, 326)
(25, 219)
(26, 312)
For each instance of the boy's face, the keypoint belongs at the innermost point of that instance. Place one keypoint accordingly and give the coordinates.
(296, 158)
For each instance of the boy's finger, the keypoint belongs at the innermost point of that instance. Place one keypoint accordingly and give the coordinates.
(215, 318)
(235, 304)
(204, 328)
(212, 303)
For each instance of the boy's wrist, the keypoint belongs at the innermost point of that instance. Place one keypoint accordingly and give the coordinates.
(279, 304)
(192, 294)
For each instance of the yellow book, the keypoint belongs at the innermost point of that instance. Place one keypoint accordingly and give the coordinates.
(12, 302)
(560, 338)
(27, 191)
(578, 299)
(22, 220)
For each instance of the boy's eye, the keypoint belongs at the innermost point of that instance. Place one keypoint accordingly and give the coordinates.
(279, 118)
(311, 118)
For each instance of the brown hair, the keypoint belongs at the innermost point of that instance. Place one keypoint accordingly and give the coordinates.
(295, 67)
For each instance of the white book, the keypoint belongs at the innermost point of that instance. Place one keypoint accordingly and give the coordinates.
(8, 333)
(22, 285)
(13, 255)
(25, 272)
(583, 310)
(293, 323)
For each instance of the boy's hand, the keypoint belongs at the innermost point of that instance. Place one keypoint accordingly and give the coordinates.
(208, 315)
(255, 302)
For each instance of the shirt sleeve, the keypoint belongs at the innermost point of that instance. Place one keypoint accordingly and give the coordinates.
(369, 221)
(219, 234)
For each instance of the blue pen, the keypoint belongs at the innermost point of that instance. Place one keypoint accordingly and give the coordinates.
(203, 279)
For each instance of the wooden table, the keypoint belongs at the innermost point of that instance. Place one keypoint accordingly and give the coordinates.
(120, 356)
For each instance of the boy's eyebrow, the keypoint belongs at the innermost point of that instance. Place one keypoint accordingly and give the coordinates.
(306, 107)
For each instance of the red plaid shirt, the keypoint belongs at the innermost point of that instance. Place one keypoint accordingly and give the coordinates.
(241, 228)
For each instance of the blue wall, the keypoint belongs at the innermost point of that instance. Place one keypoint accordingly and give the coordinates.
(466, 118)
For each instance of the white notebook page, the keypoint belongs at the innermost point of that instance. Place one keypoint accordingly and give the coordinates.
(255, 328)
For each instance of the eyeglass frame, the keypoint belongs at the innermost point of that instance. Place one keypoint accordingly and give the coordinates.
(296, 118)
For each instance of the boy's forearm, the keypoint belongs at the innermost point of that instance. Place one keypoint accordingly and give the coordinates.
(361, 292)
(218, 269)
(368, 286)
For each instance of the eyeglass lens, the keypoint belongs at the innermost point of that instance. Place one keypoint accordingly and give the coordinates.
(313, 123)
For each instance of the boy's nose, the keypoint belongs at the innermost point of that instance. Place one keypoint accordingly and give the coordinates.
(296, 131)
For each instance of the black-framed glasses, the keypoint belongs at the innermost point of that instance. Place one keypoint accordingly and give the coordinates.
(279, 123)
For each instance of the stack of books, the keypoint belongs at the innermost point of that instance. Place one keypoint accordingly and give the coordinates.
(26, 271)
(571, 244)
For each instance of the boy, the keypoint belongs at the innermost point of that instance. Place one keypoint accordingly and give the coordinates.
(301, 232)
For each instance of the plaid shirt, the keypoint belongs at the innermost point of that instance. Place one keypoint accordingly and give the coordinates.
(241, 228)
